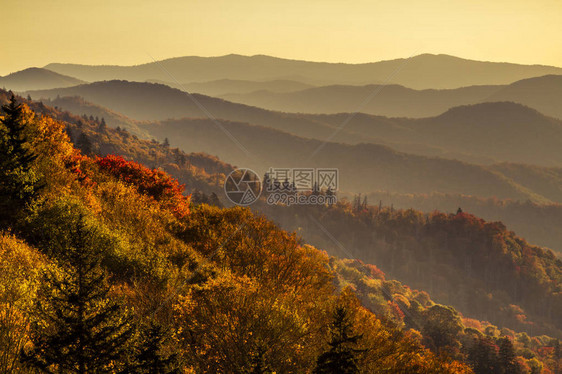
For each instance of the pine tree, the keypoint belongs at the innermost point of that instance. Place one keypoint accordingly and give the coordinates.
(19, 183)
(102, 126)
(341, 358)
(150, 358)
(78, 327)
(483, 357)
(84, 144)
(507, 357)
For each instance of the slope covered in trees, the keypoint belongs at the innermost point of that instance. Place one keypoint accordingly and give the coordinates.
(540, 224)
(390, 306)
(480, 268)
(100, 255)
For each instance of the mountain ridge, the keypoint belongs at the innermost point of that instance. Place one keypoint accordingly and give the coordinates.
(37, 78)
(422, 71)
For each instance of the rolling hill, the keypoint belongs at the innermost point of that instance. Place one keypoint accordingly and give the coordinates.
(384, 100)
(423, 71)
(541, 93)
(79, 106)
(480, 133)
(362, 167)
(119, 243)
(153, 102)
(36, 79)
(539, 223)
(500, 131)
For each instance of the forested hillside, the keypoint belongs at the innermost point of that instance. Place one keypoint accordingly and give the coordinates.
(107, 266)
(540, 224)
(400, 308)
(479, 267)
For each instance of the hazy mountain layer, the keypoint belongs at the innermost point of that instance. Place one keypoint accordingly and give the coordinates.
(36, 79)
(423, 71)
(541, 93)
(482, 133)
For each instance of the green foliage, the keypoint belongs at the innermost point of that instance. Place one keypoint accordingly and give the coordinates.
(441, 328)
(78, 327)
(19, 181)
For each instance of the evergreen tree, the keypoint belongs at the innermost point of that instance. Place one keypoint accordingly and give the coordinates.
(78, 327)
(150, 358)
(507, 357)
(84, 144)
(483, 357)
(341, 358)
(19, 183)
(102, 127)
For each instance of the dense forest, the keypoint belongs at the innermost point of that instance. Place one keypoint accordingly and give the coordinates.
(108, 267)
(456, 257)
(170, 273)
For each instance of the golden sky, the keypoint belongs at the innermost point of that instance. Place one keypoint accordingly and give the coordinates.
(124, 32)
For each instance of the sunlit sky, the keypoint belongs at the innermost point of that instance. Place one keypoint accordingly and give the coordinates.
(125, 32)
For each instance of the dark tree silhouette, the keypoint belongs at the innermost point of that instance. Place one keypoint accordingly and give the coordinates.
(507, 357)
(150, 358)
(341, 358)
(84, 144)
(79, 328)
(19, 183)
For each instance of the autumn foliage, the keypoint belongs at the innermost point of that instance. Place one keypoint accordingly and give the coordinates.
(232, 291)
(155, 183)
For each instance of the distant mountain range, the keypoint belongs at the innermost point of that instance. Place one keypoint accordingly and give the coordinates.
(481, 133)
(38, 79)
(419, 72)
(542, 93)
(363, 167)
(501, 131)
(385, 100)
(270, 138)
